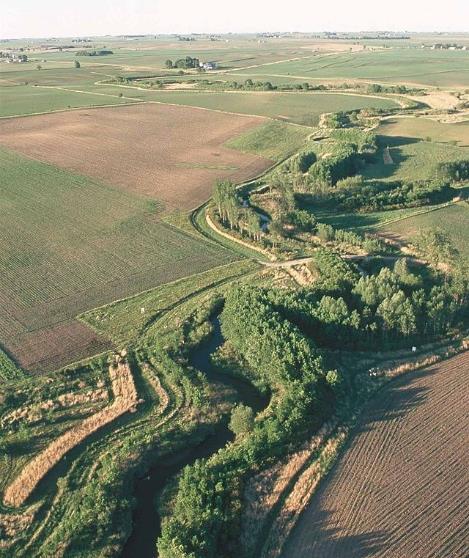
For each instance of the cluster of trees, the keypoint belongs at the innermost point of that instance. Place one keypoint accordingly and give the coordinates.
(345, 161)
(370, 243)
(233, 213)
(358, 193)
(454, 171)
(183, 63)
(393, 307)
(102, 52)
(279, 334)
(205, 517)
(401, 89)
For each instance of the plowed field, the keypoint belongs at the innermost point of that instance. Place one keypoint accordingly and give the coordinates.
(401, 488)
(170, 153)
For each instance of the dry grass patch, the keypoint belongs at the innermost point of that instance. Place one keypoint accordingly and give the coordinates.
(125, 399)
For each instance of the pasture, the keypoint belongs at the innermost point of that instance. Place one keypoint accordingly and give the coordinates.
(174, 154)
(454, 220)
(413, 158)
(426, 129)
(92, 243)
(399, 489)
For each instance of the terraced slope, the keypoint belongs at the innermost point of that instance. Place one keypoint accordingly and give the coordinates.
(400, 488)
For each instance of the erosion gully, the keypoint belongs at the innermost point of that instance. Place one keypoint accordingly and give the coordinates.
(146, 520)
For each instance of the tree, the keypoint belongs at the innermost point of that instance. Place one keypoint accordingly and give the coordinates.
(38, 67)
(169, 64)
(77, 64)
(242, 419)
(325, 232)
(435, 245)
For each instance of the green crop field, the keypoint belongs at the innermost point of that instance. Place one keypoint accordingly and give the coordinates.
(299, 108)
(94, 244)
(453, 219)
(404, 65)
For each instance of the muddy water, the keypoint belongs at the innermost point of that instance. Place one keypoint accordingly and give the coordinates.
(146, 521)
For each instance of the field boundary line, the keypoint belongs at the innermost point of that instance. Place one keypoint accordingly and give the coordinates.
(416, 214)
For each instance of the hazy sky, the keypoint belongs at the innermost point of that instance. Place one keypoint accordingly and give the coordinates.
(62, 18)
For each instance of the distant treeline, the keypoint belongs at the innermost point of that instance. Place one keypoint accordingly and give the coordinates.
(94, 52)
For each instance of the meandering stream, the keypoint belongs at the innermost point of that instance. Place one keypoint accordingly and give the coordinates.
(146, 521)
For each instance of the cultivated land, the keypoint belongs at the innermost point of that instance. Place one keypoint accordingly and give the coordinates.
(174, 154)
(400, 488)
(299, 108)
(69, 244)
(402, 65)
(196, 311)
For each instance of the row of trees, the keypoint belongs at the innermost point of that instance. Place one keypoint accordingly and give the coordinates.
(183, 63)
(233, 213)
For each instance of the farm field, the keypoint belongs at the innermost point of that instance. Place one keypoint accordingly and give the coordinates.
(454, 220)
(299, 108)
(174, 154)
(403, 65)
(401, 486)
(93, 243)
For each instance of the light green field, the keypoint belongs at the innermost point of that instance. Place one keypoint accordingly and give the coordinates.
(27, 99)
(425, 128)
(453, 219)
(299, 108)
(69, 244)
(396, 65)
(413, 159)
(273, 140)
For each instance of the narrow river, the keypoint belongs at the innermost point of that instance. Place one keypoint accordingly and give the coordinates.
(146, 521)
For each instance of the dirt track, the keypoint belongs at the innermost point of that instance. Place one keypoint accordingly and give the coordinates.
(171, 153)
(401, 488)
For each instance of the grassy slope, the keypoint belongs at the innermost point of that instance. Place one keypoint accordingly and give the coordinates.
(425, 128)
(454, 220)
(273, 140)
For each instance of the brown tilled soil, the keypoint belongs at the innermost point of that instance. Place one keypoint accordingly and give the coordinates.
(401, 488)
(171, 153)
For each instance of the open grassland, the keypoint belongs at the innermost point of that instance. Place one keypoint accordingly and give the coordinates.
(296, 107)
(400, 489)
(412, 158)
(396, 65)
(426, 129)
(174, 154)
(92, 243)
(273, 140)
(125, 320)
(454, 220)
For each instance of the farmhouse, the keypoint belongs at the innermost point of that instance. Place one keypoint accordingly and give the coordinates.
(208, 65)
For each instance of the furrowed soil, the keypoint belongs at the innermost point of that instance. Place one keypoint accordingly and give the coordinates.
(69, 244)
(401, 488)
(174, 154)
